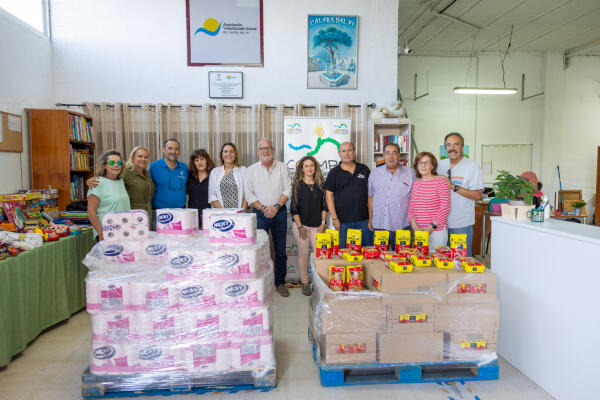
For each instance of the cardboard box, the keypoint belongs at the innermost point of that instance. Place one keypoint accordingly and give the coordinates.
(410, 318)
(471, 316)
(470, 345)
(411, 347)
(466, 287)
(348, 348)
(422, 286)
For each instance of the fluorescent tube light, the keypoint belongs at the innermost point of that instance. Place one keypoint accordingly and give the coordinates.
(482, 90)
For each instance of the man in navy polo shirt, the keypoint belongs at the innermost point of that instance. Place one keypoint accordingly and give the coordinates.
(347, 194)
(170, 178)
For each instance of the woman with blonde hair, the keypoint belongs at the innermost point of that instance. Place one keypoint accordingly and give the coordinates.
(110, 194)
(309, 211)
(226, 183)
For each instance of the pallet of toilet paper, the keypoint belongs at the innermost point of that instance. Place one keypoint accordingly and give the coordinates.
(179, 306)
(430, 315)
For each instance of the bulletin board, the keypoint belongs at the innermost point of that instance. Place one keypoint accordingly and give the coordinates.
(11, 132)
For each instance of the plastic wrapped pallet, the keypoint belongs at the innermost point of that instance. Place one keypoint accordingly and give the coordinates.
(179, 310)
(429, 315)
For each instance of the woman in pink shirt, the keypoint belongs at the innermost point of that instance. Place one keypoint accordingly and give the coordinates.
(429, 201)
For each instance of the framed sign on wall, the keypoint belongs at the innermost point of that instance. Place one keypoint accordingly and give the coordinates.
(224, 32)
(225, 85)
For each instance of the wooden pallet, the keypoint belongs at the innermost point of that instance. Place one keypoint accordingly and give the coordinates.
(110, 386)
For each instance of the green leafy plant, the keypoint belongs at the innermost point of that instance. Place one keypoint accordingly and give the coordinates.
(508, 186)
(579, 204)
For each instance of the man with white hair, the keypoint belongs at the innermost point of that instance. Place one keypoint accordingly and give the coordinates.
(267, 191)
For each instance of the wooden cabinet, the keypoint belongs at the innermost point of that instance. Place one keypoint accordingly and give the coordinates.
(392, 130)
(480, 207)
(60, 138)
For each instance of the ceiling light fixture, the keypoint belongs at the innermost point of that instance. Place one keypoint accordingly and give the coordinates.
(482, 90)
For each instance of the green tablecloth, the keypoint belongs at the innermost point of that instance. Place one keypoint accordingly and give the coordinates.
(39, 288)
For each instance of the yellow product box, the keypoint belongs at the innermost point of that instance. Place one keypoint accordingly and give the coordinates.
(323, 242)
(352, 256)
(335, 239)
(471, 265)
(402, 239)
(412, 318)
(443, 262)
(458, 245)
(422, 241)
(399, 266)
(354, 239)
(420, 260)
(382, 240)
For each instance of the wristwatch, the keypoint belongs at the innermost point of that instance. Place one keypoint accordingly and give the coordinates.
(456, 187)
(277, 206)
(434, 226)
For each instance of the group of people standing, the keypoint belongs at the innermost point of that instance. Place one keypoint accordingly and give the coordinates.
(436, 197)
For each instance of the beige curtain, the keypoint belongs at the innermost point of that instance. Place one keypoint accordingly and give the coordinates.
(208, 126)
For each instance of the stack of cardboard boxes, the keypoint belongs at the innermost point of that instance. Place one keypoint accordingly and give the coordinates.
(429, 315)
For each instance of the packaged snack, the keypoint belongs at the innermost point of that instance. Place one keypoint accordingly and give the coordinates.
(422, 241)
(354, 239)
(443, 262)
(352, 256)
(370, 253)
(470, 264)
(471, 288)
(389, 255)
(382, 240)
(399, 266)
(335, 240)
(402, 239)
(412, 318)
(405, 254)
(420, 260)
(340, 252)
(336, 278)
(323, 249)
(354, 278)
(445, 251)
(458, 244)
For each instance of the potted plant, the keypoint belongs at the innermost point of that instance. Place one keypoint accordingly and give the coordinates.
(516, 189)
(578, 205)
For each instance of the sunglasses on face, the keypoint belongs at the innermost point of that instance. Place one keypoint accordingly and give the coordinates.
(113, 162)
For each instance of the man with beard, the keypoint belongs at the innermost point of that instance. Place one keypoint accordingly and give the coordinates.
(267, 191)
(170, 178)
(466, 184)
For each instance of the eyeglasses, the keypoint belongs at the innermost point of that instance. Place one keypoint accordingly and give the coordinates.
(450, 173)
(113, 162)
(265, 148)
(424, 163)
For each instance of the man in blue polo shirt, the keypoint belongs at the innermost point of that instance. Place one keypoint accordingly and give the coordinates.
(170, 178)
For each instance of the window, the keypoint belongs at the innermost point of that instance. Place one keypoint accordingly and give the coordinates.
(32, 12)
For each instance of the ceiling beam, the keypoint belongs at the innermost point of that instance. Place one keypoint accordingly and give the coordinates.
(574, 50)
(451, 18)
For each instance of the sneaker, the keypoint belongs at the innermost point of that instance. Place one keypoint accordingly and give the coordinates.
(283, 290)
(306, 289)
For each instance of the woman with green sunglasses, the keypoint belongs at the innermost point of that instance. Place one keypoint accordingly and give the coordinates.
(110, 194)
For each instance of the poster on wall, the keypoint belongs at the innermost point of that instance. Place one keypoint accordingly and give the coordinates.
(314, 136)
(224, 32)
(332, 52)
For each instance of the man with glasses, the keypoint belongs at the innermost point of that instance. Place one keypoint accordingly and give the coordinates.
(267, 191)
(389, 194)
(170, 178)
(466, 185)
(346, 191)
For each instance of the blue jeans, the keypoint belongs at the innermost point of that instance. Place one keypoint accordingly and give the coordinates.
(278, 227)
(367, 234)
(468, 230)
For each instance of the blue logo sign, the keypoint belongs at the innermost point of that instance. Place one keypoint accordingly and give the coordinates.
(156, 249)
(164, 218)
(237, 289)
(113, 250)
(223, 225)
(104, 352)
(150, 353)
(182, 261)
(191, 292)
(228, 260)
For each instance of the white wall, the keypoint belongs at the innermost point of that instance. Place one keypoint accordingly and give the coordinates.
(135, 51)
(25, 82)
(482, 120)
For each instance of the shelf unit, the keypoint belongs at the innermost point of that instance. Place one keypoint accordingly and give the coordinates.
(55, 138)
(397, 130)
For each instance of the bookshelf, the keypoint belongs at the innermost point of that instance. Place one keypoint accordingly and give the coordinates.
(391, 130)
(62, 152)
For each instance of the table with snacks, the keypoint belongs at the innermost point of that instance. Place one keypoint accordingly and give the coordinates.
(39, 288)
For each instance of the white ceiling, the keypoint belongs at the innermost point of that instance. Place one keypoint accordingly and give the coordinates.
(571, 26)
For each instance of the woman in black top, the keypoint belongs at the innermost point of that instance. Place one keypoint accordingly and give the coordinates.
(309, 211)
(199, 167)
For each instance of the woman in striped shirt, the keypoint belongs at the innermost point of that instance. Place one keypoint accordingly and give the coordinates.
(429, 201)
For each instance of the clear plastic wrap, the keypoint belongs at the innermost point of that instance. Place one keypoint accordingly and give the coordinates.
(428, 315)
(175, 310)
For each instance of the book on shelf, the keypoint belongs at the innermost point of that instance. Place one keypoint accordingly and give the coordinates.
(383, 140)
(80, 160)
(80, 129)
(77, 188)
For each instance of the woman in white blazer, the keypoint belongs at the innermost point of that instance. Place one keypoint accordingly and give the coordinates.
(227, 182)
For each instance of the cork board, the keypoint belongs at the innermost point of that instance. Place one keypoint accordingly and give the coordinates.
(11, 132)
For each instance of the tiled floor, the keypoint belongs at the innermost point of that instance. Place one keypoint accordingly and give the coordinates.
(50, 368)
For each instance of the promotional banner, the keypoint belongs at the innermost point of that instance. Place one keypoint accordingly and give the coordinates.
(314, 136)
